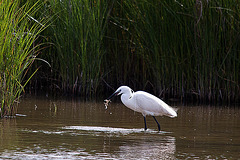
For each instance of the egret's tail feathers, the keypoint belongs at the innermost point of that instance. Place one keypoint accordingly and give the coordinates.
(173, 112)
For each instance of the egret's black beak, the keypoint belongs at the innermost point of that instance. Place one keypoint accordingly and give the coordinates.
(114, 94)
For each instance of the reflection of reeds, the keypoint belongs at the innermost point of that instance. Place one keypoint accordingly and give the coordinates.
(18, 31)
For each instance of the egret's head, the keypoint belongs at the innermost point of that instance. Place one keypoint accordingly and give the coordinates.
(121, 90)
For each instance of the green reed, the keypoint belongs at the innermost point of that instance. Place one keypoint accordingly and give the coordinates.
(18, 49)
(181, 49)
(78, 36)
(187, 48)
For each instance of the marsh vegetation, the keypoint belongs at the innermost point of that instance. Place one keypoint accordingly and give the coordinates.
(182, 50)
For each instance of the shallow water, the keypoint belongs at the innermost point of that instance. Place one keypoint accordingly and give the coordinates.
(71, 129)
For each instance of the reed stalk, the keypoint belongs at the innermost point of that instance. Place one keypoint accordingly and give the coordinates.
(78, 35)
(18, 32)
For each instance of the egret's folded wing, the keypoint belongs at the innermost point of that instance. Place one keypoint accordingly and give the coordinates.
(153, 105)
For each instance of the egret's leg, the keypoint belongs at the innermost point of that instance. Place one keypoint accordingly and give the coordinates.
(145, 123)
(157, 123)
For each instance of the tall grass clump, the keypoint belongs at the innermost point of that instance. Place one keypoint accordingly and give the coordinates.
(78, 34)
(175, 49)
(18, 49)
(123, 63)
(186, 48)
(217, 35)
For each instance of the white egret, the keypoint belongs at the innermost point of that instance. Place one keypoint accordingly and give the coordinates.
(143, 102)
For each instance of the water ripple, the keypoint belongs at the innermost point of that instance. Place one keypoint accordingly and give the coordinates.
(123, 131)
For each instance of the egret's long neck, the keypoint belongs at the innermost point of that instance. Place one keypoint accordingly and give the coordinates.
(127, 99)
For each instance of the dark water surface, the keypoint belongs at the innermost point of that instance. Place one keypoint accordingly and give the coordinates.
(70, 129)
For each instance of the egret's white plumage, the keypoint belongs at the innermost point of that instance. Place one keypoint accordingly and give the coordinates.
(145, 103)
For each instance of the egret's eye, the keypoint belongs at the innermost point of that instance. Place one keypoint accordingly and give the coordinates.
(132, 91)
